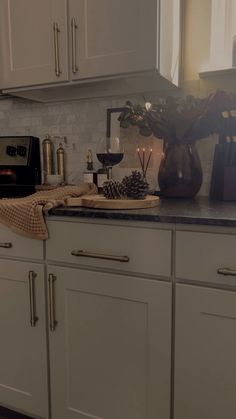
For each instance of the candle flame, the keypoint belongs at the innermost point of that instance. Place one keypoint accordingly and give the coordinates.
(148, 106)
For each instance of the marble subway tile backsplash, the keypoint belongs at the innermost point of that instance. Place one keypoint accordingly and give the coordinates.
(84, 124)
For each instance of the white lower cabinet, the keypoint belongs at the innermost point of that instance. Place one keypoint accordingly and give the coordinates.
(110, 345)
(23, 348)
(108, 312)
(205, 348)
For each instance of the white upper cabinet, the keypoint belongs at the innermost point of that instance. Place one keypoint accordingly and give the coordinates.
(112, 37)
(33, 42)
(52, 41)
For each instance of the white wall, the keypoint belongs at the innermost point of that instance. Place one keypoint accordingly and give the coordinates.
(196, 40)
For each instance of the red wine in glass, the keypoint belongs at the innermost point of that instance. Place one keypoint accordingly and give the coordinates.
(110, 159)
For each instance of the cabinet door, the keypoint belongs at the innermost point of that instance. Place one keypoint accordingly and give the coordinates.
(33, 49)
(110, 37)
(23, 358)
(205, 364)
(110, 351)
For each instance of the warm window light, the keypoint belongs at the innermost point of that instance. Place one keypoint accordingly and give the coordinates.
(223, 31)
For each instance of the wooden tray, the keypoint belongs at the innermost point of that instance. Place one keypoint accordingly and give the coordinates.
(99, 201)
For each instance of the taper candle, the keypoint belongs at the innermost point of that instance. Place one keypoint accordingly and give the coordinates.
(138, 151)
(143, 159)
(149, 157)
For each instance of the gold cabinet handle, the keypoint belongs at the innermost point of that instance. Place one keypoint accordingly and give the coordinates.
(52, 321)
(226, 271)
(74, 27)
(82, 253)
(56, 31)
(33, 317)
(6, 245)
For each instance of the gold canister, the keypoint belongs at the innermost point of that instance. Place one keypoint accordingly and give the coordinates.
(61, 162)
(47, 146)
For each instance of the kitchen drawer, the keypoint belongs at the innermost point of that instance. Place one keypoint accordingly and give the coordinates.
(148, 250)
(14, 245)
(199, 255)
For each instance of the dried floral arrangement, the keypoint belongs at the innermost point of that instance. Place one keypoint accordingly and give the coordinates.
(183, 120)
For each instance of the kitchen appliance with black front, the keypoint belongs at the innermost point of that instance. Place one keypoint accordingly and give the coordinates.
(20, 168)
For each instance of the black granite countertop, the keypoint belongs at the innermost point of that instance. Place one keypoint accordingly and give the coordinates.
(193, 211)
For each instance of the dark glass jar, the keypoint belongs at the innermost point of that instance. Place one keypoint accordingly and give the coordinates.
(180, 173)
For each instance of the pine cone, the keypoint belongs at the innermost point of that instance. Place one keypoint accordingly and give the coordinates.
(113, 190)
(135, 186)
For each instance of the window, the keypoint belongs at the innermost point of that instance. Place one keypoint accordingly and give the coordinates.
(223, 33)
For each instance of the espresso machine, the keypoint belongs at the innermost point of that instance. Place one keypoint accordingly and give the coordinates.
(20, 167)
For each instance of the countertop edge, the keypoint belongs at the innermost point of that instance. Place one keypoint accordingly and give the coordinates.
(198, 212)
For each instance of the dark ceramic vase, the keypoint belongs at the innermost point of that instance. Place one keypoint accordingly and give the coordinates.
(180, 173)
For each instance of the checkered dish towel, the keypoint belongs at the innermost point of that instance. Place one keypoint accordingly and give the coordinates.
(25, 215)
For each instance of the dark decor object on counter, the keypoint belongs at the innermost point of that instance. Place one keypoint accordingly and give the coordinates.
(110, 152)
(89, 175)
(132, 187)
(20, 168)
(135, 186)
(180, 172)
(113, 190)
(102, 177)
(109, 159)
(180, 122)
(223, 180)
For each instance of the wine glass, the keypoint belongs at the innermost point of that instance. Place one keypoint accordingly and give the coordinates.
(110, 152)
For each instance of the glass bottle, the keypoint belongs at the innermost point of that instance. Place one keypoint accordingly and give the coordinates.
(89, 175)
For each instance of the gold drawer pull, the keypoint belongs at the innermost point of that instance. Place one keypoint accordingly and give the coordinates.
(74, 27)
(56, 32)
(226, 271)
(82, 253)
(33, 317)
(6, 245)
(52, 321)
